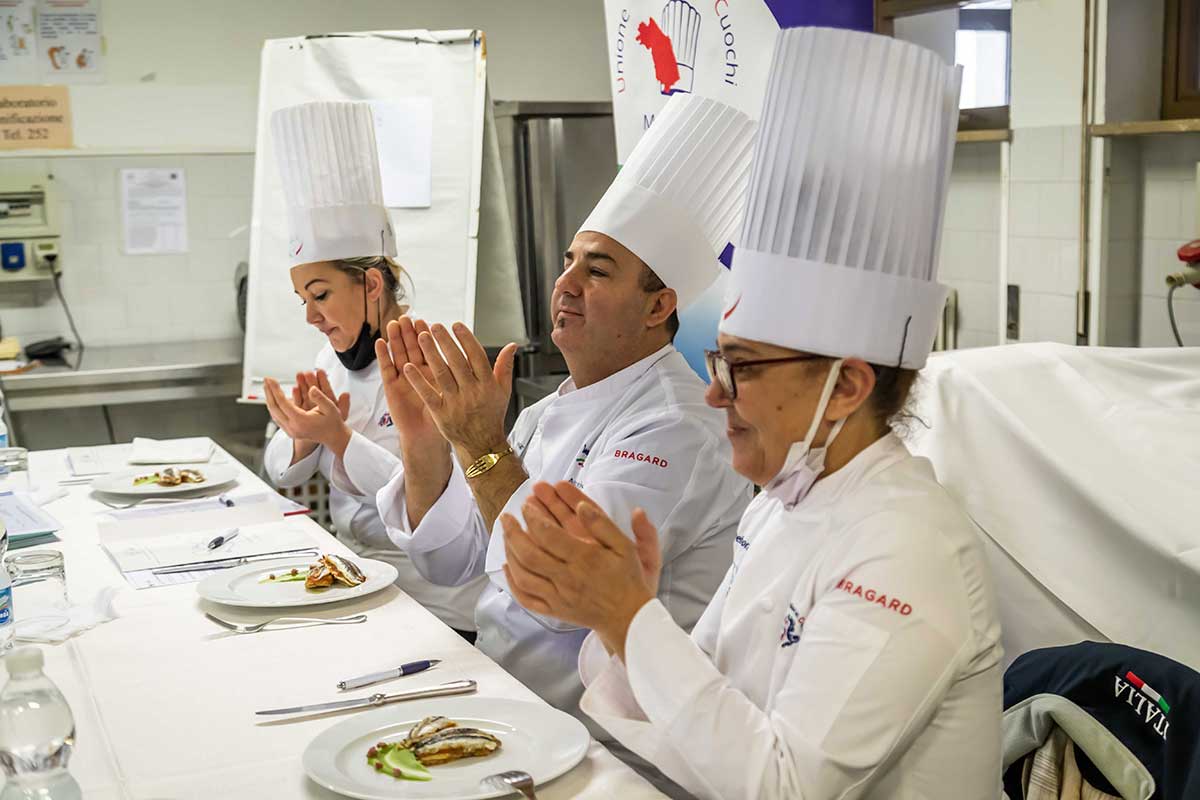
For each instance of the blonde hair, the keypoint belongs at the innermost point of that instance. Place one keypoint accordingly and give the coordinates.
(396, 280)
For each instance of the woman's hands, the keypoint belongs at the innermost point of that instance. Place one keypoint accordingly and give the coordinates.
(311, 416)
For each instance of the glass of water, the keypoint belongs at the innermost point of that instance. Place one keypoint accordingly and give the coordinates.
(39, 581)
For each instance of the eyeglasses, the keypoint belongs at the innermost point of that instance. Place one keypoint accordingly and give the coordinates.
(724, 371)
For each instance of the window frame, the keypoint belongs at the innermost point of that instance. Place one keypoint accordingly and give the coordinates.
(1178, 102)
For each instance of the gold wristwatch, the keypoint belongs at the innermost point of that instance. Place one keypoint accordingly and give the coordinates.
(485, 462)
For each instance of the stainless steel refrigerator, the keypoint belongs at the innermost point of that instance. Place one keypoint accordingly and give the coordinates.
(558, 159)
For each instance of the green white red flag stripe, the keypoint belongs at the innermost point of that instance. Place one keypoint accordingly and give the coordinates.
(1147, 690)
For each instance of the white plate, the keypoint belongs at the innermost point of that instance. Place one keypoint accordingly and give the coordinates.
(535, 737)
(122, 482)
(239, 586)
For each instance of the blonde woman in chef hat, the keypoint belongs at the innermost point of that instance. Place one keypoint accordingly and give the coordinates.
(344, 273)
(853, 648)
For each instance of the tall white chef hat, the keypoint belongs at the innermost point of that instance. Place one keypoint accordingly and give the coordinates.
(679, 198)
(838, 250)
(330, 168)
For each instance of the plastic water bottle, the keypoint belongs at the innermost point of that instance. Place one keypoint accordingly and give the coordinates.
(37, 732)
(8, 627)
(3, 427)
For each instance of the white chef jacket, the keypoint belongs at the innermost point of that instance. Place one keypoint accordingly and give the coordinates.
(851, 652)
(640, 437)
(370, 460)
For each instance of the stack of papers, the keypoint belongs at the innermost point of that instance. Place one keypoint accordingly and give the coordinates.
(27, 524)
(139, 558)
(135, 539)
(171, 451)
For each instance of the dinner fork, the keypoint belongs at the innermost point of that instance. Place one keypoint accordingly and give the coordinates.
(239, 627)
(513, 779)
(124, 506)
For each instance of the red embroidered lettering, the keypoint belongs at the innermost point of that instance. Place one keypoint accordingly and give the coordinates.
(871, 595)
(632, 456)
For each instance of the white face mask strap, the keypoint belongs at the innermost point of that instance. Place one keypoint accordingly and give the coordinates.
(827, 392)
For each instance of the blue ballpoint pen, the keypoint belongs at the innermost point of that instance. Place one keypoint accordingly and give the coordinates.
(410, 668)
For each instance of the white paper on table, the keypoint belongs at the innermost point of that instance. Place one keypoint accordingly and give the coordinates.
(176, 549)
(199, 515)
(146, 579)
(68, 40)
(23, 518)
(404, 141)
(195, 450)
(18, 42)
(100, 460)
(154, 211)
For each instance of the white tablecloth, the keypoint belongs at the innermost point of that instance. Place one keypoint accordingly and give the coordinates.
(164, 700)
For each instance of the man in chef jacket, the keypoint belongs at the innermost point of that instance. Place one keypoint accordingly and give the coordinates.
(629, 426)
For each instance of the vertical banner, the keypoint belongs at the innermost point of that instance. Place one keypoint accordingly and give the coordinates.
(716, 48)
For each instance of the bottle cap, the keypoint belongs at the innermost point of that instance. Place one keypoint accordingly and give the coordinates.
(24, 660)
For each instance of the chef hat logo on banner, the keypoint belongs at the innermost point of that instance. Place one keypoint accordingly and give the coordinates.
(838, 250)
(673, 45)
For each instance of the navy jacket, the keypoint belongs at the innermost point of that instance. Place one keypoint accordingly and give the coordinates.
(1133, 715)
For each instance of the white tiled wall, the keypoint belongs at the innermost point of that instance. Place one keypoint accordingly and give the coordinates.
(1043, 254)
(970, 254)
(120, 299)
(1168, 220)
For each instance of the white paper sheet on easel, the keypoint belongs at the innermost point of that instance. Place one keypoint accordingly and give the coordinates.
(404, 139)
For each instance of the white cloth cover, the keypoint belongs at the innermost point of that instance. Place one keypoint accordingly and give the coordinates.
(1080, 465)
(330, 169)
(678, 200)
(195, 450)
(837, 253)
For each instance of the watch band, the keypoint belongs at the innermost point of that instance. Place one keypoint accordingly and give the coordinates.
(485, 462)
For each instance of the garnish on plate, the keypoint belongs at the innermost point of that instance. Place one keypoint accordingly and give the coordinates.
(287, 576)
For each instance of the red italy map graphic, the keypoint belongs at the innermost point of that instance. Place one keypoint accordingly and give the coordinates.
(651, 37)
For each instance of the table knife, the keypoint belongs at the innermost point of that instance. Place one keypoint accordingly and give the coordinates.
(236, 561)
(375, 700)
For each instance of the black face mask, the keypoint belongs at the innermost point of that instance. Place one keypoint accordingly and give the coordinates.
(362, 353)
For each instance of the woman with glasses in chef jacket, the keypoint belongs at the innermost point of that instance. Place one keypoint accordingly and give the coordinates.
(852, 650)
(335, 419)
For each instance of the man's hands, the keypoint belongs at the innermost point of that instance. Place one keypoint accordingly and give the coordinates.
(465, 396)
(311, 416)
(414, 424)
(441, 391)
